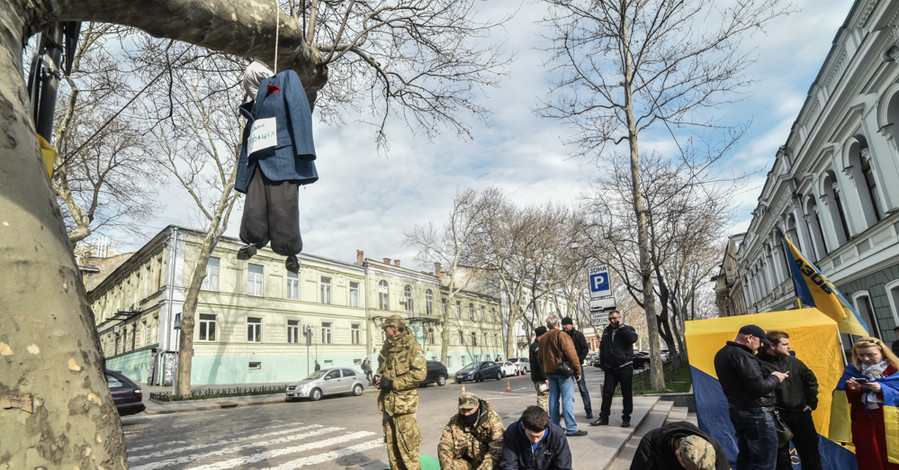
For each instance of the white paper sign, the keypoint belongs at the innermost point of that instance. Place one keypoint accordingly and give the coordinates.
(263, 135)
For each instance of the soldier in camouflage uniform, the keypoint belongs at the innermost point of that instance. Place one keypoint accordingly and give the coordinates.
(473, 438)
(401, 367)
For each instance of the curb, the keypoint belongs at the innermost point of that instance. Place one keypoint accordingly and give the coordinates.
(162, 408)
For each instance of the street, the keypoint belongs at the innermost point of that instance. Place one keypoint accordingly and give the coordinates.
(333, 433)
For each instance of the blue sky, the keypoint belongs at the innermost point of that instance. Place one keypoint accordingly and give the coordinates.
(366, 201)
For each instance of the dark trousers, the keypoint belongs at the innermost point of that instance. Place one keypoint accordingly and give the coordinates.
(613, 377)
(756, 439)
(271, 212)
(585, 395)
(805, 440)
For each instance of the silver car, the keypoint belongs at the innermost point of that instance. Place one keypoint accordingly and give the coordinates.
(327, 382)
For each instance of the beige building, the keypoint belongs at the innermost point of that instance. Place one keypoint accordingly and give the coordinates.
(258, 323)
(728, 287)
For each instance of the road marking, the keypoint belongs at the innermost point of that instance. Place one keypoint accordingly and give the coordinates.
(241, 462)
(253, 446)
(333, 455)
(177, 450)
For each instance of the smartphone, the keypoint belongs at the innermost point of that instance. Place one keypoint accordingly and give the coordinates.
(861, 380)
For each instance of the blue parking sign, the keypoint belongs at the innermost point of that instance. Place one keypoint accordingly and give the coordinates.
(598, 277)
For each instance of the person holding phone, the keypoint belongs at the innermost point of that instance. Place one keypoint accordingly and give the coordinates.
(870, 383)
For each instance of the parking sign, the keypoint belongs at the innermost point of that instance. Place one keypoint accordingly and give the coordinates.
(598, 277)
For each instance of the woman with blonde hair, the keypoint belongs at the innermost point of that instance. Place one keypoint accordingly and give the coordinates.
(870, 382)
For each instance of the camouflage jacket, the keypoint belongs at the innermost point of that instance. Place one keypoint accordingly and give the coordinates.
(403, 362)
(481, 445)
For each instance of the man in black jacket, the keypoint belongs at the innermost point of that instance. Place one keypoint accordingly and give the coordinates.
(533, 443)
(679, 445)
(750, 398)
(541, 385)
(616, 358)
(796, 399)
(580, 345)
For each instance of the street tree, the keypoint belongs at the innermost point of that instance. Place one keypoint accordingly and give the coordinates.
(412, 59)
(627, 67)
(450, 246)
(102, 147)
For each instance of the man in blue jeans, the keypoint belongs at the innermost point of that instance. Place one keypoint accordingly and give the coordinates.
(750, 398)
(555, 347)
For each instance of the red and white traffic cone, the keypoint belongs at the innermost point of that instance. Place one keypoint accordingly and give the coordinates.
(463, 388)
(509, 386)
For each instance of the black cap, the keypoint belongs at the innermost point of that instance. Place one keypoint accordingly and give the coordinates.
(539, 331)
(567, 321)
(756, 331)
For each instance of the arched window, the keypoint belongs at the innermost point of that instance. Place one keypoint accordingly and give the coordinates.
(429, 302)
(835, 204)
(813, 221)
(862, 301)
(384, 295)
(407, 296)
(859, 169)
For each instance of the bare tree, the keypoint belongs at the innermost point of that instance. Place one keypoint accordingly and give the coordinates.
(630, 66)
(103, 151)
(57, 408)
(451, 245)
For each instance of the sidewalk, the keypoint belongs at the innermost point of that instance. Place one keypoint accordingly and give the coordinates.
(597, 450)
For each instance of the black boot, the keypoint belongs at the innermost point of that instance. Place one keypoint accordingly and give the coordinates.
(292, 264)
(246, 252)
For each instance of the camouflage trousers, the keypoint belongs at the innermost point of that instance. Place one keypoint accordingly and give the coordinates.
(403, 438)
(542, 397)
(458, 464)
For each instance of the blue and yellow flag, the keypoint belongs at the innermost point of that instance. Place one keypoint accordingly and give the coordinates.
(840, 409)
(814, 290)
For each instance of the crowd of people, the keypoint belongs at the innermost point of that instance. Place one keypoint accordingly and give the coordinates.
(770, 394)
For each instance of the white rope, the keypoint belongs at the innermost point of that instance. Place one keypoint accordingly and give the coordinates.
(277, 32)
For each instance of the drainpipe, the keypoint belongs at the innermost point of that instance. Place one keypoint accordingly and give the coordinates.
(368, 350)
(169, 315)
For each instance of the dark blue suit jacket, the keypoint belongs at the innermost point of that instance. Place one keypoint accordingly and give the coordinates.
(283, 98)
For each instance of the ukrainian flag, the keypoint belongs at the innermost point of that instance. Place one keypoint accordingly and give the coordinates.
(840, 411)
(814, 290)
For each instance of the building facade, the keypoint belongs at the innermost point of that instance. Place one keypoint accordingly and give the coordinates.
(728, 286)
(256, 322)
(833, 187)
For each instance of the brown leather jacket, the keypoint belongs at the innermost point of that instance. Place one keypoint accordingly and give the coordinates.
(550, 352)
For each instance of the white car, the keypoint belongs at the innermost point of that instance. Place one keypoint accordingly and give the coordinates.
(521, 363)
(508, 368)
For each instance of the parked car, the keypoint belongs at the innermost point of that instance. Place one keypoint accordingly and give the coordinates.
(126, 394)
(508, 368)
(331, 381)
(436, 374)
(590, 359)
(666, 355)
(523, 363)
(478, 371)
(641, 359)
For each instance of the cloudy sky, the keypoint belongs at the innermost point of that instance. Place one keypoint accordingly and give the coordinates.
(366, 201)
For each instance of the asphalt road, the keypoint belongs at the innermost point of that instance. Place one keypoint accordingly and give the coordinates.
(334, 433)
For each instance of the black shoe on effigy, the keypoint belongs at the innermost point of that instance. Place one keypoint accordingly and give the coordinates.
(246, 252)
(600, 422)
(292, 264)
(626, 423)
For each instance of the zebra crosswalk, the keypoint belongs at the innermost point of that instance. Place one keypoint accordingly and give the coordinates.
(282, 447)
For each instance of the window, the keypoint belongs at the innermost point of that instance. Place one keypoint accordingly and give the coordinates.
(474, 338)
(458, 309)
(348, 372)
(431, 336)
(254, 330)
(326, 333)
(355, 333)
(383, 295)
(461, 337)
(293, 286)
(485, 339)
(493, 313)
(326, 290)
(443, 303)
(892, 290)
(407, 294)
(483, 313)
(293, 331)
(211, 281)
(334, 374)
(207, 327)
(429, 302)
(254, 280)
(471, 311)
(495, 339)
(354, 294)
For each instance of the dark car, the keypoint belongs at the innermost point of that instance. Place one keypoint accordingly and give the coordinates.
(436, 374)
(125, 393)
(478, 371)
(641, 359)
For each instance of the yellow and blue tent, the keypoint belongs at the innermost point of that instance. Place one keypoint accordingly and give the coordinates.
(815, 339)
(814, 290)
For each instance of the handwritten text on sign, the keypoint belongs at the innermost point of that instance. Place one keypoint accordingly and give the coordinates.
(263, 135)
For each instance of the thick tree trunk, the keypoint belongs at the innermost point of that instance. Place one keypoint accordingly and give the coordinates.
(55, 406)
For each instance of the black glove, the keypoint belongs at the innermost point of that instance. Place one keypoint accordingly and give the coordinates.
(385, 384)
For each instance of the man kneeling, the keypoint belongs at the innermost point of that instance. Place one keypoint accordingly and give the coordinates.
(473, 438)
(533, 443)
(679, 445)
